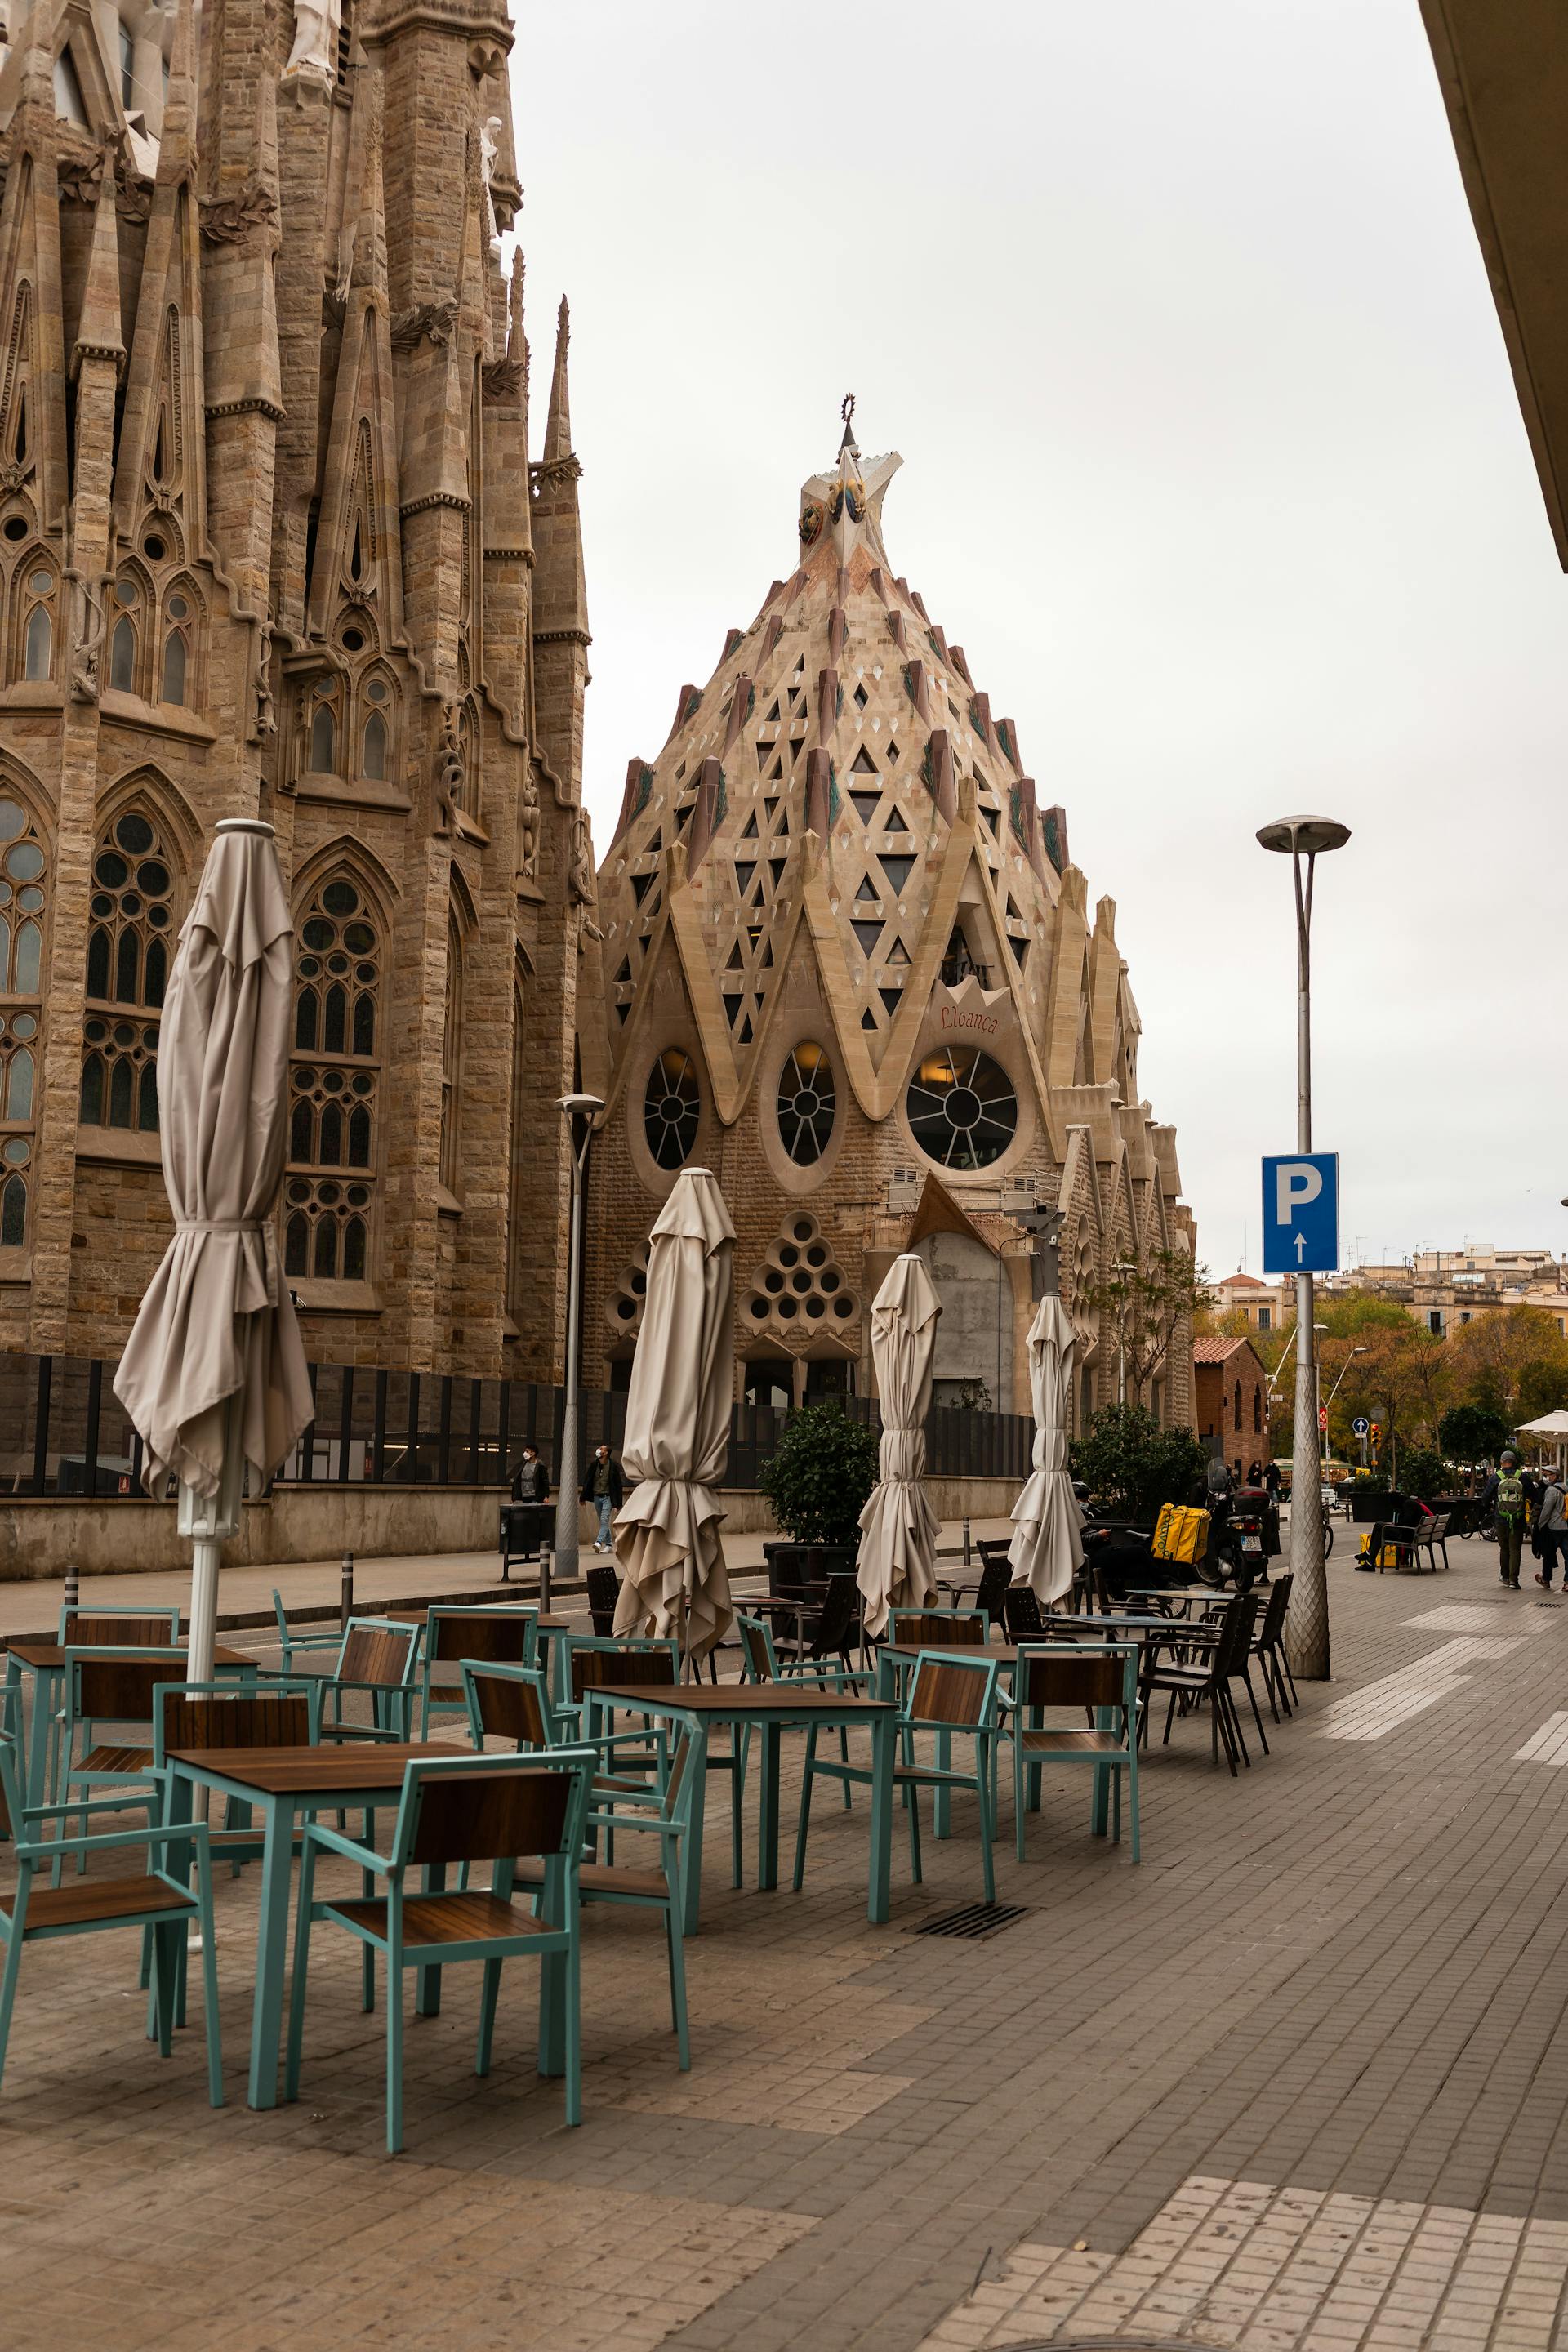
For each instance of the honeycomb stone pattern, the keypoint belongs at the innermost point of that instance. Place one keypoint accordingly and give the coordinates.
(800, 1286)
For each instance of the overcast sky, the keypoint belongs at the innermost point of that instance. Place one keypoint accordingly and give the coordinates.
(1213, 465)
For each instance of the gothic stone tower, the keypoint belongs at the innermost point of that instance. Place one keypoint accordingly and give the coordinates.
(848, 964)
(270, 545)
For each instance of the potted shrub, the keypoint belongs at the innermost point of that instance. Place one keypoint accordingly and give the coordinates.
(818, 1482)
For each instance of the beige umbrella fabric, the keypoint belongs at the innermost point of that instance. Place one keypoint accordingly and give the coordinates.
(1047, 1546)
(215, 1366)
(667, 1543)
(897, 1566)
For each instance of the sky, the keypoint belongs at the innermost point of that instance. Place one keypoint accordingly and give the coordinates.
(1212, 463)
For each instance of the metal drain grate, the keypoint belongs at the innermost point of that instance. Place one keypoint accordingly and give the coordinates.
(974, 1922)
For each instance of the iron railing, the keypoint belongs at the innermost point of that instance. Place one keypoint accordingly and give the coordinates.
(63, 1431)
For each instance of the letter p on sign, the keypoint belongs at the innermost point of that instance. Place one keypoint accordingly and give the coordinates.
(1301, 1212)
(1295, 1181)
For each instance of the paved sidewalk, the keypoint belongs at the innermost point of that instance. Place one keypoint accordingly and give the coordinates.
(1300, 2080)
(28, 1605)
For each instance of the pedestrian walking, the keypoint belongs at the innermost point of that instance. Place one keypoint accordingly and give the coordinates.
(531, 1479)
(1509, 1495)
(1551, 1531)
(604, 1486)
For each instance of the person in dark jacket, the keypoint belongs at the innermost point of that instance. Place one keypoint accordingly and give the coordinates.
(1508, 1493)
(604, 1486)
(531, 1479)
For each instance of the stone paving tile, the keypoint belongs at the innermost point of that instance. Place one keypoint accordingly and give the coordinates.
(1317, 2040)
(1237, 2264)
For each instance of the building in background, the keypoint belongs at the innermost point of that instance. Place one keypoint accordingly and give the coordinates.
(1262, 1302)
(1446, 1288)
(848, 963)
(270, 543)
(1231, 1399)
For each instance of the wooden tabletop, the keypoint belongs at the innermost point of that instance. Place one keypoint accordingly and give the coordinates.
(307, 1772)
(730, 1699)
(47, 1654)
(418, 1616)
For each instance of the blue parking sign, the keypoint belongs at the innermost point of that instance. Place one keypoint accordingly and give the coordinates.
(1301, 1213)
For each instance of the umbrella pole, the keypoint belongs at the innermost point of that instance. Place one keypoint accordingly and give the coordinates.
(210, 1520)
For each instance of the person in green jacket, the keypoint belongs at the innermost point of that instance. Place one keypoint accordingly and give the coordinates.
(1510, 1501)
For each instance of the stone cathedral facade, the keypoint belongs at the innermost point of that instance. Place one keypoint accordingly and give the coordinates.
(271, 543)
(848, 963)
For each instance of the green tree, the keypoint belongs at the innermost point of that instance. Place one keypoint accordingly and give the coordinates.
(1472, 1433)
(1422, 1473)
(821, 1476)
(1146, 1306)
(1131, 1465)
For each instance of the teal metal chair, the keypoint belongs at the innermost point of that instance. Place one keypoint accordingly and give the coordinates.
(494, 1635)
(218, 1715)
(1102, 1678)
(657, 1888)
(587, 1660)
(293, 1645)
(155, 1901)
(951, 1695)
(761, 1663)
(513, 1703)
(472, 1808)
(112, 1686)
(378, 1657)
(117, 1624)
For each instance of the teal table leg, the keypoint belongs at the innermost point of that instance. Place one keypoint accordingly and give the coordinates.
(884, 1729)
(768, 1807)
(46, 1683)
(941, 1811)
(1101, 1817)
(694, 1841)
(272, 1951)
(427, 1992)
(553, 1982)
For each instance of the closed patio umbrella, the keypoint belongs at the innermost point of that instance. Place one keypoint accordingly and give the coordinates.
(214, 1373)
(897, 1568)
(1046, 1545)
(668, 1544)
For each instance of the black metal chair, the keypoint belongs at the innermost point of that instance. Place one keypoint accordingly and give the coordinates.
(1268, 1646)
(990, 1587)
(603, 1583)
(1208, 1680)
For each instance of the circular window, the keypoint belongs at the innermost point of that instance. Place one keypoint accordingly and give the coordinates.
(152, 547)
(12, 820)
(179, 610)
(670, 1107)
(807, 1102)
(26, 862)
(16, 526)
(111, 870)
(962, 1109)
(353, 640)
(41, 583)
(339, 898)
(133, 833)
(125, 592)
(376, 690)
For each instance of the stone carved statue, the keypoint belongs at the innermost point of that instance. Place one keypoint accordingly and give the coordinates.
(580, 873)
(266, 712)
(452, 773)
(489, 148)
(314, 56)
(86, 638)
(528, 829)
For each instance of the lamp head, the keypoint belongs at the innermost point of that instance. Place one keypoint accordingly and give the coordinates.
(1305, 836)
(580, 1106)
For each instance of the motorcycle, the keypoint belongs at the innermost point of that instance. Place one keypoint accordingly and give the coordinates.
(1237, 1553)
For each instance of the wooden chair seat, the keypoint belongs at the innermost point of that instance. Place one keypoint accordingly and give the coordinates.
(621, 1785)
(100, 1900)
(924, 1776)
(471, 1917)
(1071, 1743)
(604, 1878)
(116, 1760)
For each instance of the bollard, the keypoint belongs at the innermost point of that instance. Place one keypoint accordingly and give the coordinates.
(73, 1589)
(546, 1559)
(966, 1542)
(346, 1596)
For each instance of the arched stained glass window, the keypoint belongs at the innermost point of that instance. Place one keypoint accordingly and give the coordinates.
(962, 1109)
(672, 1105)
(451, 1059)
(806, 1104)
(129, 944)
(335, 1079)
(38, 624)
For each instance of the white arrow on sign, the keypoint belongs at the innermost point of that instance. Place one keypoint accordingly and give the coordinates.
(1301, 1247)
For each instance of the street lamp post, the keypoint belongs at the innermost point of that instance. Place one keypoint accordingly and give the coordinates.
(579, 1111)
(1123, 1266)
(1304, 839)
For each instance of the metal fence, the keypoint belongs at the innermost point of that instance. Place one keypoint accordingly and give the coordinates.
(64, 1432)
